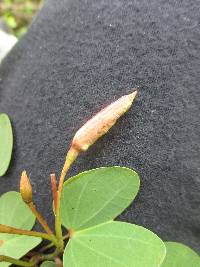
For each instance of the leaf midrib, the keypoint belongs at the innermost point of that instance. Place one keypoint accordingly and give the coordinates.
(100, 253)
(79, 200)
(101, 208)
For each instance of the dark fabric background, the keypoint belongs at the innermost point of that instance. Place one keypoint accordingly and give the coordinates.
(79, 56)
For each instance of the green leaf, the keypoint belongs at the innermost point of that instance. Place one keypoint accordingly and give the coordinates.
(179, 255)
(97, 196)
(48, 264)
(6, 143)
(114, 244)
(15, 213)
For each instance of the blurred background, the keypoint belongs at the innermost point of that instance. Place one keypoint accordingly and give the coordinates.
(15, 17)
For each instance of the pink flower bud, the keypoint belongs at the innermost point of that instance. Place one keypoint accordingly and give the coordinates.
(101, 123)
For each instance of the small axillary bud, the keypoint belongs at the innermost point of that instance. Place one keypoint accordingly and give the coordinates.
(101, 123)
(26, 188)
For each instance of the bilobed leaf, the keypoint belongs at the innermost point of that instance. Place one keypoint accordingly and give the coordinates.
(179, 255)
(97, 196)
(6, 143)
(16, 246)
(114, 244)
(48, 264)
(15, 213)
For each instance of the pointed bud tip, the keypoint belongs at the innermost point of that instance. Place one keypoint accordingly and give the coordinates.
(133, 95)
(24, 173)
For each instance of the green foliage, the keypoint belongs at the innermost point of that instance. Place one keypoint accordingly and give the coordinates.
(86, 205)
(6, 143)
(179, 255)
(90, 201)
(97, 196)
(114, 244)
(48, 264)
(14, 213)
(18, 14)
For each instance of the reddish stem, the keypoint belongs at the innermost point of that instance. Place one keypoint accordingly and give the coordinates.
(54, 189)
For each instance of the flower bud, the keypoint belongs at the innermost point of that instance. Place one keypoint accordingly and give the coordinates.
(25, 188)
(101, 123)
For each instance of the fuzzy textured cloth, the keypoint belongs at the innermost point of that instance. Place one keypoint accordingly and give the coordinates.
(80, 55)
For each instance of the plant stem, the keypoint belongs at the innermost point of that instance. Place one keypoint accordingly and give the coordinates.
(43, 249)
(42, 257)
(58, 262)
(51, 256)
(66, 236)
(14, 261)
(54, 189)
(11, 230)
(40, 219)
(34, 260)
(70, 158)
